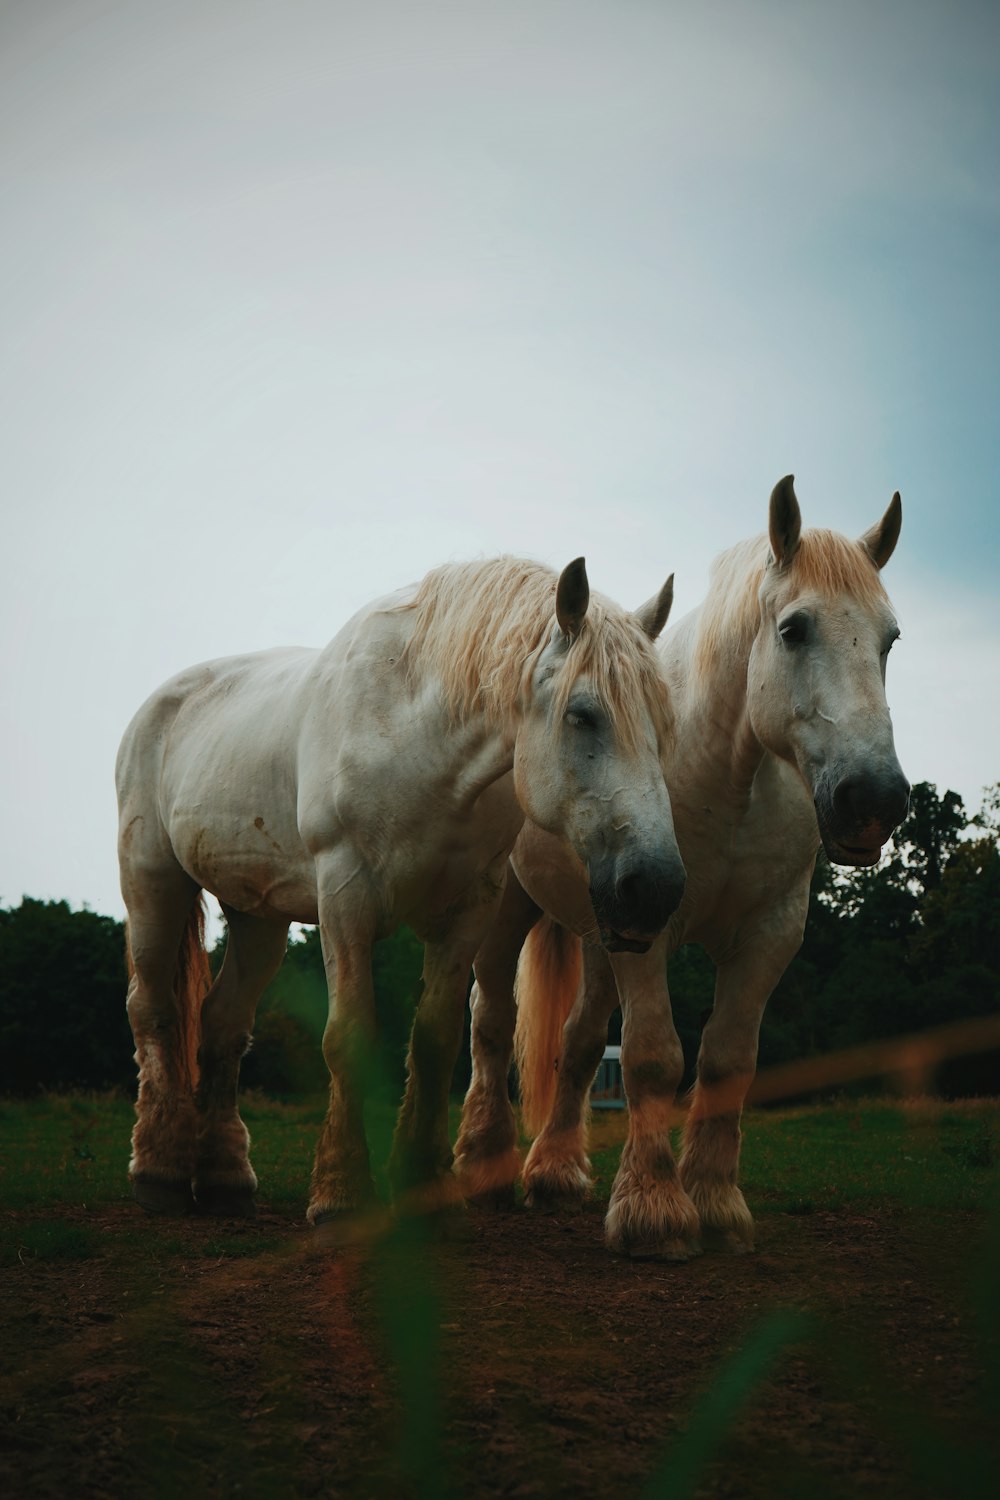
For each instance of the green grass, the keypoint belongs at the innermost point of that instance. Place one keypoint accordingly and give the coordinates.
(46, 1239)
(70, 1148)
(74, 1149)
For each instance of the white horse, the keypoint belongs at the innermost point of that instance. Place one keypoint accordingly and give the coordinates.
(383, 779)
(783, 742)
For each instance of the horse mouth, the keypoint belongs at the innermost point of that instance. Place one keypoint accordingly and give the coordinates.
(839, 851)
(858, 855)
(617, 942)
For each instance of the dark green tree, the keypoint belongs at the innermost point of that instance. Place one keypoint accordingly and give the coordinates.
(62, 1000)
(912, 944)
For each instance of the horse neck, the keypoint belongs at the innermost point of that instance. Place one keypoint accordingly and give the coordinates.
(712, 706)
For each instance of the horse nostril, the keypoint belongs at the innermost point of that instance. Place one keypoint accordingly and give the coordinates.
(848, 797)
(858, 800)
(650, 892)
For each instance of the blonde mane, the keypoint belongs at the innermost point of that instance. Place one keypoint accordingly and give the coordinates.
(480, 628)
(825, 563)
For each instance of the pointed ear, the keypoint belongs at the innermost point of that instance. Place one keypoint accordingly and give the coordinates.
(880, 541)
(572, 597)
(784, 522)
(653, 615)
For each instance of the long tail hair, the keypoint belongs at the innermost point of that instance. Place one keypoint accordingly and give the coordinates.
(548, 979)
(192, 981)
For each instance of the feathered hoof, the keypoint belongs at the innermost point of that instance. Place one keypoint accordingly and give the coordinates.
(156, 1195)
(226, 1200)
(545, 1199)
(324, 1216)
(487, 1182)
(651, 1221)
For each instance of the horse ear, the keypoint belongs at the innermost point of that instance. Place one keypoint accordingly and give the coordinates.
(653, 615)
(572, 597)
(880, 541)
(784, 522)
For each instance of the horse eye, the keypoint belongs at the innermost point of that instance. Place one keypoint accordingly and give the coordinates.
(890, 643)
(580, 718)
(793, 630)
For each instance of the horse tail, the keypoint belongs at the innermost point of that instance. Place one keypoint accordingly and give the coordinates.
(548, 979)
(192, 981)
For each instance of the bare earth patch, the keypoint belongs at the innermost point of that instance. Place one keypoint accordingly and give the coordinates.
(224, 1360)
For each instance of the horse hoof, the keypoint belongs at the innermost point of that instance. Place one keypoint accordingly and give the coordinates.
(224, 1200)
(555, 1201)
(158, 1196)
(325, 1216)
(338, 1229)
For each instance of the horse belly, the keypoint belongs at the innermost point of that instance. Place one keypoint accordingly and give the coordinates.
(247, 863)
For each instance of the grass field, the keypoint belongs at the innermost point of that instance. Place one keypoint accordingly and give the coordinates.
(918, 1154)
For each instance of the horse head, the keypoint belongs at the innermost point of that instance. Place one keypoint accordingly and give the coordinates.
(595, 724)
(816, 675)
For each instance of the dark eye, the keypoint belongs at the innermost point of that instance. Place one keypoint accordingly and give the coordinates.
(793, 629)
(581, 718)
(890, 643)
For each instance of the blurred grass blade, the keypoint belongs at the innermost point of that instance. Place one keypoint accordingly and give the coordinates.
(683, 1465)
(410, 1310)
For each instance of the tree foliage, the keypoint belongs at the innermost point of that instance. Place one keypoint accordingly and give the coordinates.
(911, 944)
(62, 999)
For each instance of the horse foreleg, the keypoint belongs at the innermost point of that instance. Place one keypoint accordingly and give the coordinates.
(341, 1177)
(650, 1216)
(557, 1171)
(225, 1182)
(487, 1161)
(727, 1060)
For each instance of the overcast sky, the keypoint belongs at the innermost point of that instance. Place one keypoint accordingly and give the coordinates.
(298, 300)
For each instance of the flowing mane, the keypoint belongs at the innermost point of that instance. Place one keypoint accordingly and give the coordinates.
(825, 562)
(480, 627)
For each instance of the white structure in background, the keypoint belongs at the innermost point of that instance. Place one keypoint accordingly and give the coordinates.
(608, 1088)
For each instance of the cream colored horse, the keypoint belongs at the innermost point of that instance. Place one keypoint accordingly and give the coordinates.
(381, 780)
(784, 742)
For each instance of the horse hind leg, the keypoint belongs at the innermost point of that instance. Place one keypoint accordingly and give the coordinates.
(557, 1171)
(225, 1183)
(165, 987)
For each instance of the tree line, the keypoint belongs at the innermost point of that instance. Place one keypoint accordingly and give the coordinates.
(911, 944)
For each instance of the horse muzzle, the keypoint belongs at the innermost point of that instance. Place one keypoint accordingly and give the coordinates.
(634, 899)
(859, 813)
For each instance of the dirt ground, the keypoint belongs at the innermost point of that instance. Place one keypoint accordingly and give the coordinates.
(217, 1360)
